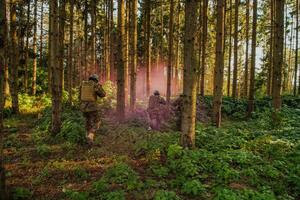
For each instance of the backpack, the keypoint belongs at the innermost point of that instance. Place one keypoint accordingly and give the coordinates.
(87, 91)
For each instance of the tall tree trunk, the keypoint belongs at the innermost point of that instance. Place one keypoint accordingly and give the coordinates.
(245, 92)
(253, 59)
(55, 68)
(162, 31)
(121, 62)
(27, 48)
(170, 52)
(177, 60)
(3, 47)
(107, 45)
(296, 50)
(133, 53)
(70, 58)
(111, 36)
(93, 35)
(33, 87)
(85, 61)
(14, 56)
(148, 47)
(230, 51)
(190, 76)
(285, 68)
(41, 34)
(200, 28)
(219, 65)
(278, 53)
(204, 43)
(270, 67)
(235, 50)
(62, 18)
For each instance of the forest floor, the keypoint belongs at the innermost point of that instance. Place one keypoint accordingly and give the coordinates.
(245, 159)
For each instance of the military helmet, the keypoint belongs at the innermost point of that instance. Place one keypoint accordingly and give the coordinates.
(94, 77)
(156, 93)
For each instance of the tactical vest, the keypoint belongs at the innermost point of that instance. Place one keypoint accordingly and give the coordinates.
(88, 92)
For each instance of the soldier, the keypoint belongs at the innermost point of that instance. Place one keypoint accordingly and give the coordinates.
(89, 90)
(156, 108)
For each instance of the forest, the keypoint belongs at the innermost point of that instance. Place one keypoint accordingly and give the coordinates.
(149, 99)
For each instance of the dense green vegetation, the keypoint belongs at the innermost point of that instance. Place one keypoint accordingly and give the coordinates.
(254, 158)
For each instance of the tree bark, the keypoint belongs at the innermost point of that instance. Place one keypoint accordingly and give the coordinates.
(3, 47)
(33, 88)
(245, 92)
(204, 44)
(235, 50)
(270, 68)
(148, 47)
(170, 52)
(278, 53)
(70, 58)
(56, 68)
(41, 34)
(190, 76)
(219, 65)
(253, 59)
(93, 35)
(296, 50)
(14, 56)
(121, 62)
(27, 48)
(133, 53)
(230, 51)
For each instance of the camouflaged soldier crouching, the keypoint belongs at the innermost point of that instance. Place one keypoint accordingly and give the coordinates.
(155, 109)
(89, 91)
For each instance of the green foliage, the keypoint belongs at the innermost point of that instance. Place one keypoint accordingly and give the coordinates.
(165, 195)
(72, 130)
(21, 193)
(116, 195)
(74, 195)
(193, 187)
(245, 194)
(43, 150)
(81, 173)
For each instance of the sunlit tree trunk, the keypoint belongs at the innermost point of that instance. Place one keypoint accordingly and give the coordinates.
(235, 50)
(62, 18)
(190, 76)
(219, 65)
(161, 31)
(56, 68)
(147, 47)
(230, 50)
(177, 39)
(27, 48)
(296, 50)
(3, 47)
(278, 53)
(133, 53)
(121, 62)
(285, 68)
(85, 61)
(204, 44)
(93, 35)
(246, 72)
(270, 67)
(33, 87)
(41, 34)
(14, 56)
(170, 52)
(70, 58)
(253, 59)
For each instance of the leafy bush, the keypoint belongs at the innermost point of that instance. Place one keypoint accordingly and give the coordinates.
(21, 194)
(43, 150)
(165, 195)
(193, 187)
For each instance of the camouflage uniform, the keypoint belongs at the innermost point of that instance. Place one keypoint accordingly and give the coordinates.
(156, 110)
(91, 111)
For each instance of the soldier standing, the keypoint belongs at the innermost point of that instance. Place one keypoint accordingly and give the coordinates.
(156, 109)
(89, 91)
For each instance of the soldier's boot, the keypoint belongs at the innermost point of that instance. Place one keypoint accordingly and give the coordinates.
(90, 137)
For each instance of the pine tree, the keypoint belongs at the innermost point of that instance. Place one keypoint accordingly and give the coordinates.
(219, 65)
(190, 76)
(170, 52)
(235, 50)
(278, 53)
